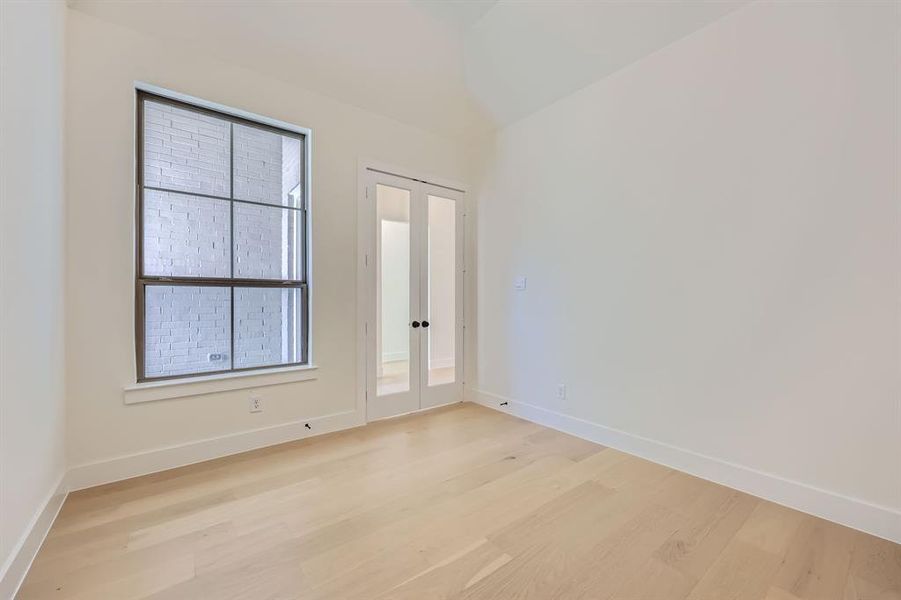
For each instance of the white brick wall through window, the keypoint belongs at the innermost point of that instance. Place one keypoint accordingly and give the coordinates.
(222, 199)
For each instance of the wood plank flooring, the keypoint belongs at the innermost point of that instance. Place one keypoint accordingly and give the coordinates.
(458, 503)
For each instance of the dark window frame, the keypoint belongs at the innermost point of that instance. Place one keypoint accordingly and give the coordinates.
(142, 281)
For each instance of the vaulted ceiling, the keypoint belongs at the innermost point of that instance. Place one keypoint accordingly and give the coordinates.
(452, 67)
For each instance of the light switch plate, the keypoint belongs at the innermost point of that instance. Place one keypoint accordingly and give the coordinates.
(519, 283)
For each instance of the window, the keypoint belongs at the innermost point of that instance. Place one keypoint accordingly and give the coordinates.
(221, 242)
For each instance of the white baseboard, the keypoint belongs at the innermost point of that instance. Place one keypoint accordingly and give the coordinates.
(859, 514)
(388, 357)
(161, 459)
(16, 567)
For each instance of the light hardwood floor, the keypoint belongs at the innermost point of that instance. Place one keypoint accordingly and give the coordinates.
(460, 503)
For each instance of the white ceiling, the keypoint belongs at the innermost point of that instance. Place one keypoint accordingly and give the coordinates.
(521, 56)
(453, 67)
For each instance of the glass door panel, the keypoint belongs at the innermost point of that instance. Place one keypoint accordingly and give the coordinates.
(442, 297)
(393, 289)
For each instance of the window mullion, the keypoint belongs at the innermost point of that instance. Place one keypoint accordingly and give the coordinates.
(223, 282)
(231, 243)
(231, 195)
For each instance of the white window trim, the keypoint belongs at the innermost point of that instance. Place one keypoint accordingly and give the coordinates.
(167, 389)
(228, 110)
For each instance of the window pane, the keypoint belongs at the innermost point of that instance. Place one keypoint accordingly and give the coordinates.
(267, 166)
(186, 150)
(267, 242)
(267, 326)
(185, 236)
(186, 329)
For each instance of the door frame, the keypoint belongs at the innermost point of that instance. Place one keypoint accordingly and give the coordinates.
(366, 289)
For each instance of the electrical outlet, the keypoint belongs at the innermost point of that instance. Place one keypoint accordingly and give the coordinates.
(561, 391)
(256, 404)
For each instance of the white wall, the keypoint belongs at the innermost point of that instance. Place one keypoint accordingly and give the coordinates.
(32, 417)
(104, 60)
(711, 240)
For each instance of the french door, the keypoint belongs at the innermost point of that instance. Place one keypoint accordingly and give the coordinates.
(414, 268)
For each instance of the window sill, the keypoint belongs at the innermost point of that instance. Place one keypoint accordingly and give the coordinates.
(223, 382)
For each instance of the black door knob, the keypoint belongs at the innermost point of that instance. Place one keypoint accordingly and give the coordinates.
(425, 323)
(415, 324)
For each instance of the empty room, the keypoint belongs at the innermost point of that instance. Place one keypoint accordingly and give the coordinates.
(450, 300)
